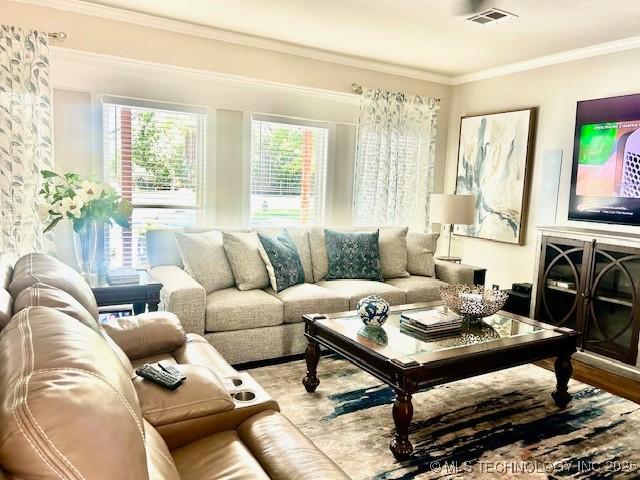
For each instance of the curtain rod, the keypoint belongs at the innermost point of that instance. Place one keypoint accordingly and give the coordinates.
(357, 88)
(59, 36)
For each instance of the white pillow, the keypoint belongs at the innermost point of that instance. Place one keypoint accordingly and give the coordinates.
(204, 258)
(243, 252)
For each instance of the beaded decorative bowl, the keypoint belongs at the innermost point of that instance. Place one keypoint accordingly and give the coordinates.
(473, 301)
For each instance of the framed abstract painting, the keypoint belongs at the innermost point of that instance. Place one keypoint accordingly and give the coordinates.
(494, 161)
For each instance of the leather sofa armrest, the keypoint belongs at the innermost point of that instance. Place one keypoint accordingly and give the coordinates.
(146, 334)
(186, 431)
(201, 394)
(450, 272)
(182, 295)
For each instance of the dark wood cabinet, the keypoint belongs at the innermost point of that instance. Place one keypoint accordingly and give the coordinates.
(594, 287)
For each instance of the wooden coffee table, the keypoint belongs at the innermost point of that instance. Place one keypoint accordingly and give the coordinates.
(409, 364)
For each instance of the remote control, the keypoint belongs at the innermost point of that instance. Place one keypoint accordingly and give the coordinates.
(159, 376)
(172, 370)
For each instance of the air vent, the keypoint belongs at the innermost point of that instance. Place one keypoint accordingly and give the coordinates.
(490, 16)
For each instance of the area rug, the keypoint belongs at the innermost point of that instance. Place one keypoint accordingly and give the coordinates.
(499, 425)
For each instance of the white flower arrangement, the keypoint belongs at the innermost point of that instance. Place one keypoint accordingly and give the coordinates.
(69, 197)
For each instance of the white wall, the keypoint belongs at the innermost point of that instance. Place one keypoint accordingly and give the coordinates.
(555, 91)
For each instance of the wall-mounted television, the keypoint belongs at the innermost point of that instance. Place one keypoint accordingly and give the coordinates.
(605, 182)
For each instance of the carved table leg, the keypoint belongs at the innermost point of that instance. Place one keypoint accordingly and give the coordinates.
(563, 374)
(402, 413)
(312, 356)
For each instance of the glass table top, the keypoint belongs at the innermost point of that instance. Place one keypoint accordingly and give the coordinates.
(393, 340)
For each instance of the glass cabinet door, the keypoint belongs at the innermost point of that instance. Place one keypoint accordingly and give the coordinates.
(560, 284)
(611, 319)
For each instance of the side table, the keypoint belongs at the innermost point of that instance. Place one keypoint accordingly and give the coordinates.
(145, 294)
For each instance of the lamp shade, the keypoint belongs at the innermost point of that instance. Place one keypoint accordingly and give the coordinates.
(453, 209)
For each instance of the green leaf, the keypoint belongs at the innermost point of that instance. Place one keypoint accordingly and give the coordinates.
(53, 223)
(121, 220)
(125, 208)
(49, 174)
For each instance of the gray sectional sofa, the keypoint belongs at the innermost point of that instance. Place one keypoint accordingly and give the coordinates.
(261, 324)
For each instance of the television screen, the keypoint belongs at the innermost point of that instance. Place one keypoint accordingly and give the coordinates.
(605, 183)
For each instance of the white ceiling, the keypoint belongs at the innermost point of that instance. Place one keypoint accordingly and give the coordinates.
(419, 34)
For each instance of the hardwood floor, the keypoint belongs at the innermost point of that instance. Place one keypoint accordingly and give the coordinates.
(612, 383)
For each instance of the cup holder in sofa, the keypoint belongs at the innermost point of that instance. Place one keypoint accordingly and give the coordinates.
(244, 396)
(236, 382)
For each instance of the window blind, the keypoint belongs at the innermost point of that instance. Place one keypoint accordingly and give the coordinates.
(154, 158)
(288, 172)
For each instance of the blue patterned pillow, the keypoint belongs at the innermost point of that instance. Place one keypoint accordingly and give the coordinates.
(353, 255)
(283, 261)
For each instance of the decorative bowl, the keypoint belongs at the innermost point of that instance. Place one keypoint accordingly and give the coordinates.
(473, 301)
(373, 310)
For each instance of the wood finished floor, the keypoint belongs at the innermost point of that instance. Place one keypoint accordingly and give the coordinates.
(612, 383)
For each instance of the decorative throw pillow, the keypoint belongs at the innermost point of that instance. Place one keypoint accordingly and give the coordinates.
(420, 250)
(353, 255)
(282, 259)
(205, 260)
(243, 253)
(393, 252)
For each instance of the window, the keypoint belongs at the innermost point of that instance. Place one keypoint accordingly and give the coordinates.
(153, 157)
(288, 171)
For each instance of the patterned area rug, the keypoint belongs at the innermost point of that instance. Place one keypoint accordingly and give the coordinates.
(499, 425)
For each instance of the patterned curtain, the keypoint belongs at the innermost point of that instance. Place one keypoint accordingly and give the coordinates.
(25, 137)
(394, 159)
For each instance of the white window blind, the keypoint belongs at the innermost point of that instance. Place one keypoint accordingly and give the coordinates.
(288, 172)
(154, 158)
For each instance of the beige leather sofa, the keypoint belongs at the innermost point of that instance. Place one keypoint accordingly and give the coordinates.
(261, 324)
(72, 407)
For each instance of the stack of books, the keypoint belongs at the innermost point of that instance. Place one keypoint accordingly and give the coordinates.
(431, 323)
(123, 276)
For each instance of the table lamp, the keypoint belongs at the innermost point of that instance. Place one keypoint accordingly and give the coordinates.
(452, 209)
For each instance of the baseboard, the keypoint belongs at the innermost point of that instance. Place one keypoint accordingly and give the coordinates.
(609, 365)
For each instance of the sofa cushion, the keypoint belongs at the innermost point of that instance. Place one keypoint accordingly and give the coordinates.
(70, 395)
(243, 252)
(282, 260)
(202, 394)
(43, 295)
(393, 252)
(146, 334)
(222, 455)
(295, 458)
(40, 268)
(300, 237)
(233, 309)
(309, 298)
(418, 288)
(205, 259)
(356, 290)
(159, 461)
(6, 307)
(420, 250)
(353, 255)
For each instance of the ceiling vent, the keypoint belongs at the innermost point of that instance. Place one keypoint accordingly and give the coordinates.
(490, 16)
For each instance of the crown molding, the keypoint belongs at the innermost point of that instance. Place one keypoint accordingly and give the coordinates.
(186, 28)
(547, 60)
(69, 56)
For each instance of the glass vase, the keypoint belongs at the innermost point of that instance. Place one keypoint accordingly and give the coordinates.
(85, 243)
